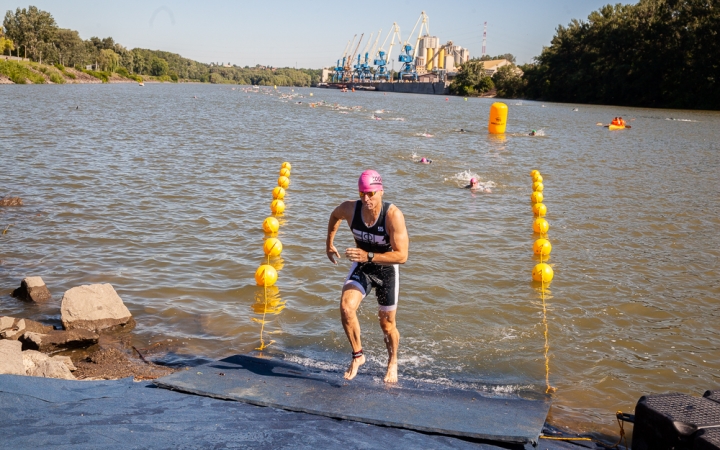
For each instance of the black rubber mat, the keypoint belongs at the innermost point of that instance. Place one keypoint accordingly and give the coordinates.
(410, 405)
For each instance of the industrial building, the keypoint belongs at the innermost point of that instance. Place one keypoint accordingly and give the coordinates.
(422, 58)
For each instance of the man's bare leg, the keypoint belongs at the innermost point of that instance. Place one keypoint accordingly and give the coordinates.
(392, 342)
(351, 298)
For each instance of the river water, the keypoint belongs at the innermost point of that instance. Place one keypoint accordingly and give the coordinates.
(161, 191)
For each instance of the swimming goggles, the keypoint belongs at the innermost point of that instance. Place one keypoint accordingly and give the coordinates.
(369, 193)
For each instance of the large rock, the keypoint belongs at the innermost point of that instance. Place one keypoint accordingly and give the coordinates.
(32, 289)
(11, 360)
(58, 340)
(13, 328)
(93, 307)
(41, 365)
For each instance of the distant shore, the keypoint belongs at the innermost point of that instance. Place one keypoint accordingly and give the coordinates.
(36, 73)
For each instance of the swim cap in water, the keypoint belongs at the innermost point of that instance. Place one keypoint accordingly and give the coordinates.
(473, 180)
(370, 181)
(423, 159)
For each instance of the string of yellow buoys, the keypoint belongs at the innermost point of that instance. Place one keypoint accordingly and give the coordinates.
(266, 275)
(542, 272)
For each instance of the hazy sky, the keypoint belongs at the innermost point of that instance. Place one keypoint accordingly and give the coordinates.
(310, 34)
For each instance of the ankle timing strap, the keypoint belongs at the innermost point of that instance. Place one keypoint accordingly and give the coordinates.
(357, 354)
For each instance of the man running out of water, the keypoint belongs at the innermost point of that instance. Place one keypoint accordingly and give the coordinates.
(382, 243)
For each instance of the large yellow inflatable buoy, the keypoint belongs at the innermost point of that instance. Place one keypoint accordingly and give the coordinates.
(540, 225)
(266, 275)
(284, 182)
(542, 272)
(538, 186)
(272, 247)
(277, 206)
(542, 247)
(534, 172)
(278, 193)
(498, 118)
(284, 172)
(537, 178)
(271, 225)
(286, 165)
(539, 209)
(537, 197)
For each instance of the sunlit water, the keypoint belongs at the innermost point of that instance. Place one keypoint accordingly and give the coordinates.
(161, 191)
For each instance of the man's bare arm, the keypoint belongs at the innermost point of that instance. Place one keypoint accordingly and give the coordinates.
(342, 212)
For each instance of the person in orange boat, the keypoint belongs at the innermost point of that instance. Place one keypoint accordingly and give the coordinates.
(615, 121)
(622, 122)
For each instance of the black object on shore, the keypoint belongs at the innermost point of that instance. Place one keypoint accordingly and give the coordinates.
(412, 405)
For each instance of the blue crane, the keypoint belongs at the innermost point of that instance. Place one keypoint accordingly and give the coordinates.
(407, 58)
(382, 58)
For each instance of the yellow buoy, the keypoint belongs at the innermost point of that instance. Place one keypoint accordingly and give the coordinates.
(542, 272)
(278, 193)
(542, 247)
(286, 165)
(277, 206)
(284, 172)
(536, 197)
(266, 275)
(284, 182)
(498, 118)
(272, 247)
(540, 225)
(271, 225)
(534, 172)
(538, 186)
(537, 178)
(539, 209)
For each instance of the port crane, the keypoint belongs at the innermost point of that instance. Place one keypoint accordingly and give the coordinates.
(407, 57)
(366, 72)
(383, 58)
(359, 67)
(339, 68)
(347, 70)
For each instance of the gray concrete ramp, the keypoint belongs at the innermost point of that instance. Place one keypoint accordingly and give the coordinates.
(410, 405)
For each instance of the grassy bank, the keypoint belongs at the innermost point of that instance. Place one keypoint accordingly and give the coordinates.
(28, 72)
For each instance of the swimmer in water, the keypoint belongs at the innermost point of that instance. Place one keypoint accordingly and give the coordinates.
(425, 160)
(474, 184)
(533, 132)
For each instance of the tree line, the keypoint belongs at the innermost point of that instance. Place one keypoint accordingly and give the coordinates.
(657, 53)
(33, 33)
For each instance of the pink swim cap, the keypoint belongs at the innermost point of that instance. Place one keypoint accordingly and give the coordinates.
(473, 180)
(370, 181)
(423, 159)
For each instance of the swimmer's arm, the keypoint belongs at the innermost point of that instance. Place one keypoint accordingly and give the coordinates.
(342, 212)
(399, 240)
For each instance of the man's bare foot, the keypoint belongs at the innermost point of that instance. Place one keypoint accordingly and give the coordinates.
(391, 376)
(354, 366)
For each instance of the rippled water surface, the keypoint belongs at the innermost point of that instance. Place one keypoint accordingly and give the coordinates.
(161, 191)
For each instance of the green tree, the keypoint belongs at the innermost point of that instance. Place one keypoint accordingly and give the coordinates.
(657, 53)
(6, 45)
(158, 67)
(471, 79)
(108, 60)
(30, 27)
(509, 82)
(70, 48)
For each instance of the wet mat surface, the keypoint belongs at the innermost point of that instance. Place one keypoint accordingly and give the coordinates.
(410, 405)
